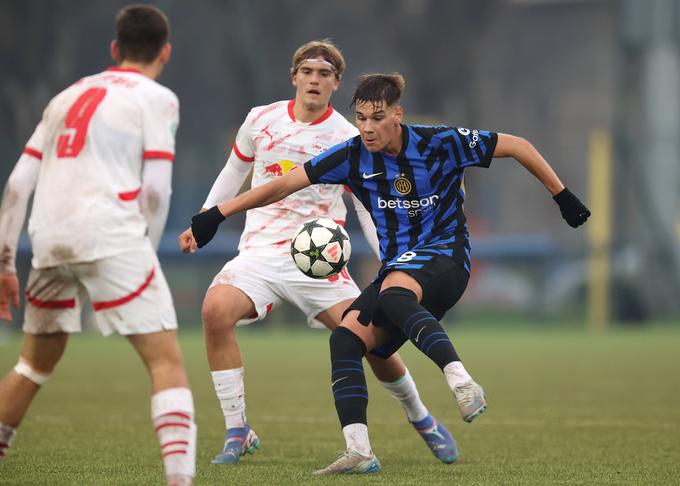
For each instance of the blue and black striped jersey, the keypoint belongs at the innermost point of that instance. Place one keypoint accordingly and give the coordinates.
(415, 198)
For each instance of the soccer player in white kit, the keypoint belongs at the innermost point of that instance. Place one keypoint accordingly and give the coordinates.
(273, 140)
(100, 162)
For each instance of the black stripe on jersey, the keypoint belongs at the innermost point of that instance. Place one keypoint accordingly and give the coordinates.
(426, 133)
(490, 149)
(405, 167)
(391, 221)
(358, 190)
(459, 146)
(444, 221)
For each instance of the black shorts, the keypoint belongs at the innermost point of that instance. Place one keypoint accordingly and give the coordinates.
(443, 281)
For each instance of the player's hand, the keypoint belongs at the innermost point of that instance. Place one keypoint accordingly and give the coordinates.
(187, 243)
(204, 225)
(573, 210)
(9, 292)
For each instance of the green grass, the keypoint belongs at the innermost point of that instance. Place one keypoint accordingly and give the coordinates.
(566, 407)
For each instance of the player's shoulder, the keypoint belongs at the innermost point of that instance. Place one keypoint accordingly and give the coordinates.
(157, 91)
(429, 132)
(339, 119)
(268, 112)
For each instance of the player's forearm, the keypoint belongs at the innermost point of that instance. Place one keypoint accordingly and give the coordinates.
(155, 197)
(527, 155)
(266, 194)
(18, 190)
(228, 182)
(204, 225)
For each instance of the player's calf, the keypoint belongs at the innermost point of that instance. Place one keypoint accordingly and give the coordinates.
(172, 413)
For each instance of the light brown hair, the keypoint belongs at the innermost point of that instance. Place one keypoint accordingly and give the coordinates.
(324, 48)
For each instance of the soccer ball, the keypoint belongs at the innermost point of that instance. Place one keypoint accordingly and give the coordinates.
(320, 248)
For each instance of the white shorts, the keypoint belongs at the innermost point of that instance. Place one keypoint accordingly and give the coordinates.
(128, 292)
(269, 280)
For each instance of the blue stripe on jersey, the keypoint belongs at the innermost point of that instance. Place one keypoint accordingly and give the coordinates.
(415, 199)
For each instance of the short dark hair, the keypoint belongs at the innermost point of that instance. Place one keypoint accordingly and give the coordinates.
(379, 88)
(141, 32)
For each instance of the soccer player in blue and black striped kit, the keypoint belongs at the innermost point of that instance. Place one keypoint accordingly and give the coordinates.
(410, 178)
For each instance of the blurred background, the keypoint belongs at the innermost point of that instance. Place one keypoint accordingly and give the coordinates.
(594, 85)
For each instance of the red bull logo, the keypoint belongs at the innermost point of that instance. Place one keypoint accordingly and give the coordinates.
(280, 168)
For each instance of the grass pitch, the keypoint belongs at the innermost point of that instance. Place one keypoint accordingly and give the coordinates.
(565, 407)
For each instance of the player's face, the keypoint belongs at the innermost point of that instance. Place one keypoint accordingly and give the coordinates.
(378, 125)
(315, 83)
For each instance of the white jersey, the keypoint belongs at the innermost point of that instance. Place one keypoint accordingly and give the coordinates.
(276, 143)
(92, 140)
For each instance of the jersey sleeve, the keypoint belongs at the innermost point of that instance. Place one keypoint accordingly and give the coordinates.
(330, 167)
(160, 119)
(243, 147)
(469, 148)
(35, 144)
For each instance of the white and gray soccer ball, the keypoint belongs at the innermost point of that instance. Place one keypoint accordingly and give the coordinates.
(320, 248)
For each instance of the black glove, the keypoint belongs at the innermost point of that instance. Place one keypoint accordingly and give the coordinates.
(204, 225)
(572, 209)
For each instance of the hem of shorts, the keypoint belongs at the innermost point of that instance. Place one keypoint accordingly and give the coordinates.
(37, 333)
(111, 331)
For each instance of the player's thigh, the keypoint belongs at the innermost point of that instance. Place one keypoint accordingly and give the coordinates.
(53, 301)
(43, 351)
(129, 293)
(224, 305)
(398, 278)
(332, 316)
(321, 300)
(371, 335)
(162, 357)
(253, 277)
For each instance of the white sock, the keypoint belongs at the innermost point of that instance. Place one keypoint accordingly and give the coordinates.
(356, 438)
(405, 392)
(172, 413)
(230, 392)
(456, 374)
(7, 435)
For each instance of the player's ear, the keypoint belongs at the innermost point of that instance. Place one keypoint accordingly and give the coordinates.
(166, 52)
(336, 85)
(398, 114)
(293, 81)
(115, 52)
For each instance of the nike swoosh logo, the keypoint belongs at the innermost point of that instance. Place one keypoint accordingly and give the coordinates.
(421, 330)
(370, 176)
(338, 380)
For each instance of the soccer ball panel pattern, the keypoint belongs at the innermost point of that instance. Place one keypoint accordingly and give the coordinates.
(320, 248)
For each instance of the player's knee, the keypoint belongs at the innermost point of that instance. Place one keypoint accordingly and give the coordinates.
(390, 298)
(217, 316)
(168, 372)
(344, 342)
(25, 369)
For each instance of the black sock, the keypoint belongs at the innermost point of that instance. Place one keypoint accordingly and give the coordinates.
(401, 306)
(347, 379)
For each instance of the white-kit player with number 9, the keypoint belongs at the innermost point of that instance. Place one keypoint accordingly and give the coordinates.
(274, 140)
(100, 162)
